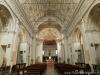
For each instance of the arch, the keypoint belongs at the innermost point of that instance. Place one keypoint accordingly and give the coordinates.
(92, 6)
(4, 13)
(45, 33)
(78, 46)
(93, 22)
(9, 9)
(6, 20)
(77, 34)
(46, 18)
(48, 24)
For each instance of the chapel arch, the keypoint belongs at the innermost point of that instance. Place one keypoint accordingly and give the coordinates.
(5, 43)
(78, 46)
(93, 28)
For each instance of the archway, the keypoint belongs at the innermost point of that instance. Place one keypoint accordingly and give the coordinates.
(5, 43)
(94, 32)
(48, 32)
(48, 19)
(50, 48)
(78, 47)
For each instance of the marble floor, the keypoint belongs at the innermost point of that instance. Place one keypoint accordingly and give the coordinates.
(50, 69)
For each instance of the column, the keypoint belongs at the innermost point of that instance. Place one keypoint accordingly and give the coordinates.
(66, 52)
(39, 50)
(15, 42)
(34, 47)
(89, 52)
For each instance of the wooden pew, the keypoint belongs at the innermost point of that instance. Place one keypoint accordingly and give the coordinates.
(86, 67)
(4, 70)
(22, 69)
(18, 68)
(37, 69)
(96, 68)
(67, 69)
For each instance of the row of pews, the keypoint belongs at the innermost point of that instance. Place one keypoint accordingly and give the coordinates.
(34, 69)
(22, 69)
(4, 70)
(78, 69)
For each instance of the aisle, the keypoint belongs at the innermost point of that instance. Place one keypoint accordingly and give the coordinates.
(50, 69)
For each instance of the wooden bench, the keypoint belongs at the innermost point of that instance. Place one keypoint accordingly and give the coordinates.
(67, 69)
(36, 69)
(4, 70)
(96, 68)
(16, 69)
(86, 67)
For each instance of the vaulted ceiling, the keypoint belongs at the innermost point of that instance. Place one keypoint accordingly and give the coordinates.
(61, 10)
(49, 34)
(49, 17)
